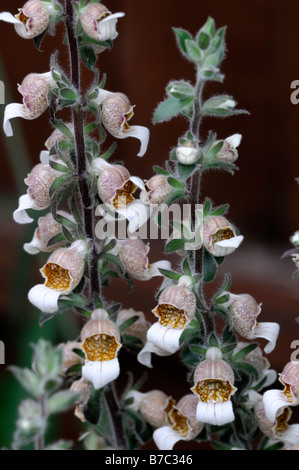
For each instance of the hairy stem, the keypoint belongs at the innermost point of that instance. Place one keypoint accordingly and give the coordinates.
(78, 121)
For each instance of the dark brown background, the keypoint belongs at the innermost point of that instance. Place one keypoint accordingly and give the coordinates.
(262, 61)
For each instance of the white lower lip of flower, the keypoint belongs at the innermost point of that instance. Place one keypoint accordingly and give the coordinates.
(33, 247)
(20, 215)
(44, 298)
(139, 132)
(44, 157)
(234, 140)
(215, 413)
(136, 213)
(268, 331)
(291, 434)
(165, 338)
(12, 110)
(145, 355)
(107, 27)
(9, 18)
(165, 438)
(229, 245)
(100, 373)
(273, 401)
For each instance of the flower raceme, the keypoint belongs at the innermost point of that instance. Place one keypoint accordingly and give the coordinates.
(100, 342)
(116, 112)
(32, 20)
(214, 386)
(35, 89)
(62, 272)
(99, 23)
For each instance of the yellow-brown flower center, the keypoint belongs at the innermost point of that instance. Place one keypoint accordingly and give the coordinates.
(222, 234)
(57, 278)
(213, 390)
(100, 347)
(23, 18)
(287, 391)
(123, 196)
(179, 422)
(281, 424)
(171, 316)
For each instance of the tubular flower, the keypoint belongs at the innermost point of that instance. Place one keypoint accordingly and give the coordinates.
(157, 189)
(116, 188)
(228, 152)
(63, 272)
(100, 341)
(175, 310)
(37, 197)
(275, 400)
(261, 364)
(214, 386)
(278, 429)
(47, 228)
(244, 310)
(133, 254)
(34, 89)
(140, 326)
(99, 23)
(31, 21)
(183, 424)
(116, 112)
(187, 153)
(154, 406)
(219, 237)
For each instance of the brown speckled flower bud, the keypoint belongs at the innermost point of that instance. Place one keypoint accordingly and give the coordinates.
(219, 237)
(229, 152)
(57, 136)
(290, 379)
(183, 417)
(35, 89)
(34, 18)
(187, 153)
(155, 406)
(98, 22)
(39, 182)
(157, 189)
(69, 357)
(116, 111)
(140, 326)
(176, 307)
(114, 186)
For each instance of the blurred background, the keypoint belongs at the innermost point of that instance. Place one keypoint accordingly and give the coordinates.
(262, 61)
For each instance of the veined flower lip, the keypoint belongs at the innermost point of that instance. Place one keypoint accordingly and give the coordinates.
(165, 338)
(268, 331)
(215, 413)
(44, 298)
(234, 140)
(233, 242)
(276, 400)
(165, 438)
(145, 355)
(105, 26)
(12, 110)
(100, 373)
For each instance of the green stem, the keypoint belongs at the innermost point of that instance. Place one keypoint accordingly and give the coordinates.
(40, 438)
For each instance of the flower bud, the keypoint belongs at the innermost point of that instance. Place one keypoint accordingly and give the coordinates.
(83, 388)
(154, 406)
(115, 187)
(219, 237)
(244, 310)
(35, 89)
(31, 21)
(157, 189)
(116, 112)
(99, 23)
(57, 136)
(214, 386)
(100, 341)
(139, 328)
(187, 153)
(47, 228)
(39, 182)
(228, 152)
(133, 255)
(175, 310)
(63, 272)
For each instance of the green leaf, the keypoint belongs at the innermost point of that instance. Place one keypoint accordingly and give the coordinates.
(220, 210)
(68, 94)
(115, 261)
(60, 182)
(88, 56)
(170, 274)
(185, 170)
(61, 401)
(160, 171)
(241, 354)
(28, 379)
(169, 108)
(174, 196)
(58, 166)
(126, 324)
(186, 268)
(182, 35)
(209, 266)
(193, 51)
(203, 40)
(175, 244)
(66, 222)
(180, 90)
(56, 239)
(175, 183)
(63, 128)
